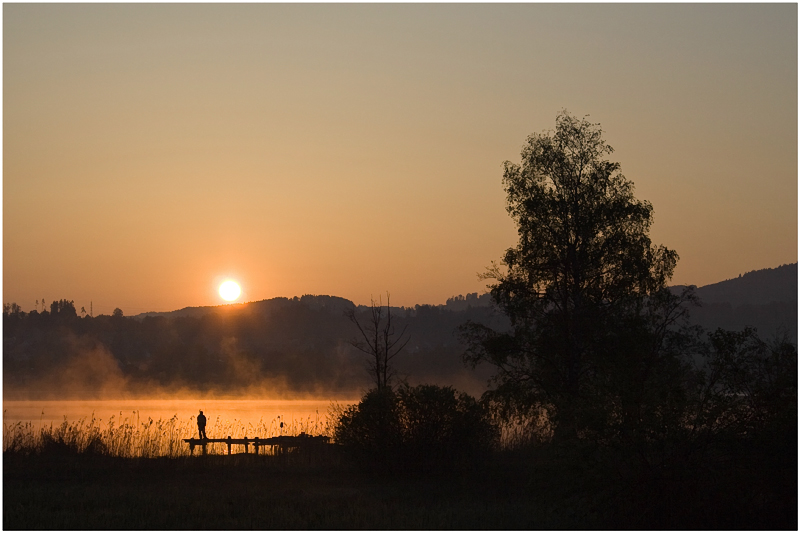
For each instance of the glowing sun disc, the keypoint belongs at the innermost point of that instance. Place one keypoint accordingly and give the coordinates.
(229, 290)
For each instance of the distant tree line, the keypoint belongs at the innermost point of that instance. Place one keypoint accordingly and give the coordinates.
(296, 346)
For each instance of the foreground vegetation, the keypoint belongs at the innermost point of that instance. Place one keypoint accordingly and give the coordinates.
(239, 492)
(439, 460)
(130, 437)
(535, 488)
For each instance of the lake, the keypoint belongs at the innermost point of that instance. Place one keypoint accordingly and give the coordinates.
(224, 416)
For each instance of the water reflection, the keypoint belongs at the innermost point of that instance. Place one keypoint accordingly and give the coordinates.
(221, 414)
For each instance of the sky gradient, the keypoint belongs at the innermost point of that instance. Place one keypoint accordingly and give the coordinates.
(152, 151)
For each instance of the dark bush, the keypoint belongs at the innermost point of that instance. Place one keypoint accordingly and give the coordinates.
(417, 428)
(443, 427)
(371, 429)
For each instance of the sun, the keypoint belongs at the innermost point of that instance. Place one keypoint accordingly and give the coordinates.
(230, 290)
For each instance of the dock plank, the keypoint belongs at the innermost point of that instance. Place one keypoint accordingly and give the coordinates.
(282, 442)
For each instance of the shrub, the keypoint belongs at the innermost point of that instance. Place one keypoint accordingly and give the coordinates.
(371, 428)
(426, 427)
(443, 427)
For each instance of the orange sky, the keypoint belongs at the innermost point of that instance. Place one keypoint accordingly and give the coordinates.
(150, 151)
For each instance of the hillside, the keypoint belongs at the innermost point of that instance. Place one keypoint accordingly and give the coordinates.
(765, 299)
(322, 302)
(333, 304)
(301, 345)
(754, 288)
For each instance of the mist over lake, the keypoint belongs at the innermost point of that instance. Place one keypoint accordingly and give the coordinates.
(239, 412)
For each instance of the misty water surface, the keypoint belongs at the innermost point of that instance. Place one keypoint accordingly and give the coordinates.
(220, 413)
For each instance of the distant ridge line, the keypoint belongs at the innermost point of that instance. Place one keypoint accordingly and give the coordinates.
(756, 287)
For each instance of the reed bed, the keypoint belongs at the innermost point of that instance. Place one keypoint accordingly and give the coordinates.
(524, 431)
(131, 437)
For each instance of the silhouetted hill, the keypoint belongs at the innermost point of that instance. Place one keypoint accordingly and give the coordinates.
(186, 311)
(333, 304)
(301, 345)
(754, 288)
(289, 346)
(764, 299)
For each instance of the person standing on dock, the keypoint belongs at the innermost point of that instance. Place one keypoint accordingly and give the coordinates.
(201, 425)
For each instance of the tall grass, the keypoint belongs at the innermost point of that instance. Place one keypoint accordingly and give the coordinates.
(131, 437)
(523, 431)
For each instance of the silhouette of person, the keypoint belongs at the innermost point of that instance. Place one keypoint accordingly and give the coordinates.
(201, 425)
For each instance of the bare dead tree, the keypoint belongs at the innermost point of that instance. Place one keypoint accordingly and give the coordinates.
(379, 341)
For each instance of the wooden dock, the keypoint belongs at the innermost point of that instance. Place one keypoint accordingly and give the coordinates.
(281, 444)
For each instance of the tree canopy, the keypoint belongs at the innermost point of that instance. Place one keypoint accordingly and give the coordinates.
(583, 267)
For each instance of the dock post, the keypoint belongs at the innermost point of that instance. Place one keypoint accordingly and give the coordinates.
(256, 445)
(191, 446)
(204, 447)
(229, 444)
(245, 444)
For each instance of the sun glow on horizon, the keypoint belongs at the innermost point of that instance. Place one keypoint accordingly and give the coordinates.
(230, 290)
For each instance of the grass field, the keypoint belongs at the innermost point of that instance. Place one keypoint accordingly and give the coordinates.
(247, 492)
(512, 491)
(136, 475)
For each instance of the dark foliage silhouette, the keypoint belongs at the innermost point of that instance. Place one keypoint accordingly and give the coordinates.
(602, 365)
(63, 308)
(420, 428)
(750, 385)
(584, 265)
(443, 427)
(299, 345)
(372, 428)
